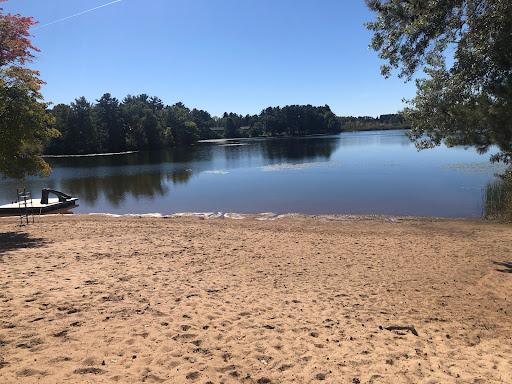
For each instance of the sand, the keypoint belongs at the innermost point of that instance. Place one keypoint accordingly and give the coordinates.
(93, 299)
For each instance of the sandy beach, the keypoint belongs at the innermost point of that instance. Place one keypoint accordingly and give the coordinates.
(96, 299)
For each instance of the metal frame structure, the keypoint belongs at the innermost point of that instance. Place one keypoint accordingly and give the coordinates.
(24, 203)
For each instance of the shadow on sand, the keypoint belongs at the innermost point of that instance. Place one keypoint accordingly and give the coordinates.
(505, 266)
(10, 241)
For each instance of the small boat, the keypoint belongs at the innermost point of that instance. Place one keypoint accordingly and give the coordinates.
(27, 205)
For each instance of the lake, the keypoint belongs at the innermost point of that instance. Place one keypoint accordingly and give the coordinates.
(378, 172)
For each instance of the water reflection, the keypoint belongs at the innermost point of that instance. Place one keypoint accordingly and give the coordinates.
(174, 156)
(342, 173)
(152, 174)
(305, 150)
(180, 176)
(116, 187)
(276, 150)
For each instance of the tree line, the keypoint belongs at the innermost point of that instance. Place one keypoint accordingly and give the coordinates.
(135, 123)
(143, 122)
(368, 123)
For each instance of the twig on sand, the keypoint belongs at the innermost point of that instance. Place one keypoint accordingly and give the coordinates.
(409, 328)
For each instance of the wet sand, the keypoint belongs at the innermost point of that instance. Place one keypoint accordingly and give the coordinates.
(94, 299)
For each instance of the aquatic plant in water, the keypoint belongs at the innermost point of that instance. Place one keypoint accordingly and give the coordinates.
(498, 198)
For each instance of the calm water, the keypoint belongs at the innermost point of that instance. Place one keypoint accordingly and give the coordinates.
(367, 172)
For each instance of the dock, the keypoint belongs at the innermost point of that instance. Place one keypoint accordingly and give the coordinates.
(40, 206)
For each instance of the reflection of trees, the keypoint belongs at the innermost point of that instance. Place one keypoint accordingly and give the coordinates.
(180, 176)
(141, 174)
(282, 149)
(173, 155)
(35, 185)
(115, 187)
(299, 149)
(152, 174)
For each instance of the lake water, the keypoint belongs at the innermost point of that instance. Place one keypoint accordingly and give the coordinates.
(378, 172)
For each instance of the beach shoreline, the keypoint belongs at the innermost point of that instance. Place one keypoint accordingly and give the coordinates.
(261, 216)
(297, 298)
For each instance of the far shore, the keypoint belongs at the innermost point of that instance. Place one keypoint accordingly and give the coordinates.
(258, 300)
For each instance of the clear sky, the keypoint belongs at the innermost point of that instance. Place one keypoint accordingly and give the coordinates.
(219, 55)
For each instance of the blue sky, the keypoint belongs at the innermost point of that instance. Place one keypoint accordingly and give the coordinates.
(219, 55)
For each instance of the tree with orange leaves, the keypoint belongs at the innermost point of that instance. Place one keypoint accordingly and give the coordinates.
(25, 124)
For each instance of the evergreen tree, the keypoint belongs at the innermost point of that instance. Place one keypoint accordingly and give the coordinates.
(82, 136)
(230, 129)
(109, 124)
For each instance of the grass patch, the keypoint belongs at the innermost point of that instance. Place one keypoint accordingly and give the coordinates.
(498, 198)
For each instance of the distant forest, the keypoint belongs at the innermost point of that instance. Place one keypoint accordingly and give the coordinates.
(145, 123)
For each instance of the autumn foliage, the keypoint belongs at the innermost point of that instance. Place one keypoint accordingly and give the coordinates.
(25, 124)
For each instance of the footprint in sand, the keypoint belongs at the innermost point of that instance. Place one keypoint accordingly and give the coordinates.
(29, 372)
(226, 356)
(193, 376)
(61, 359)
(8, 325)
(30, 343)
(30, 300)
(228, 368)
(202, 351)
(63, 333)
(285, 367)
(184, 336)
(149, 377)
(88, 370)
